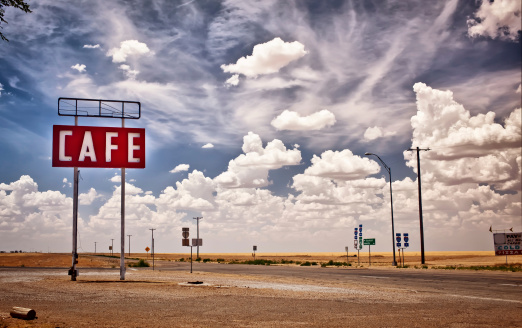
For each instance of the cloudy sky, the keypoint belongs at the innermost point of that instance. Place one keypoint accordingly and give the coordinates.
(258, 115)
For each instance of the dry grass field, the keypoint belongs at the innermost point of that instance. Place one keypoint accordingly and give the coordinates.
(433, 259)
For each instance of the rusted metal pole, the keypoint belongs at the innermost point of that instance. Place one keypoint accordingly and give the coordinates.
(122, 236)
(73, 271)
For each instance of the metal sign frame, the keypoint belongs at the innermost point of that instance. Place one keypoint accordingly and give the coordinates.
(83, 107)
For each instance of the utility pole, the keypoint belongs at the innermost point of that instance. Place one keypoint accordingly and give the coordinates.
(112, 246)
(95, 247)
(152, 248)
(423, 260)
(197, 236)
(129, 244)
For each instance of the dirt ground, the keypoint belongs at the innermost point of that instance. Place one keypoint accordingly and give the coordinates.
(165, 299)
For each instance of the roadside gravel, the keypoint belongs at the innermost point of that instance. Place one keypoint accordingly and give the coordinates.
(164, 299)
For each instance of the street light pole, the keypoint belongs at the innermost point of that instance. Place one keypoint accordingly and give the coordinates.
(394, 263)
(95, 247)
(112, 246)
(420, 201)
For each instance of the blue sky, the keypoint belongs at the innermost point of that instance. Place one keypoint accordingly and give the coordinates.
(258, 115)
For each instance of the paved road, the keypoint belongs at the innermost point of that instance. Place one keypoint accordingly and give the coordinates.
(480, 285)
(488, 285)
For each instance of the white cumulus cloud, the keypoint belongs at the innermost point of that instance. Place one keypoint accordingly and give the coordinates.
(90, 46)
(194, 193)
(465, 148)
(375, 132)
(267, 58)
(26, 212)
(180, 168)
(233, 80)
(250, 170)
(501, 18)
(208, 145)
(290, 120)
(127, 48)
(342, 165)
(130, 73)
(66, 183)
(89, 197)
(79, 67)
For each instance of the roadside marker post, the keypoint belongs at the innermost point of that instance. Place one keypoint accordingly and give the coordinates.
(346, 249)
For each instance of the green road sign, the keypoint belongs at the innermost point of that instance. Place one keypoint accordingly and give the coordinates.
(370, 241)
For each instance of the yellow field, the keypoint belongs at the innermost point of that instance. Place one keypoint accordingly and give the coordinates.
(378, 259)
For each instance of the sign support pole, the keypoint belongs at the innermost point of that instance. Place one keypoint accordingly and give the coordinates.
(122, 251)
(75, 220)
(369, 255)
(152, 230)
(197, 236)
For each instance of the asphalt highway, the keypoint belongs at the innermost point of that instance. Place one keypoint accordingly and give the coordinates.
(487, 285)
(478, 285)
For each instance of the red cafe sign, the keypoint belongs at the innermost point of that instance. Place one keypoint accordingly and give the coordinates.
(93, 146)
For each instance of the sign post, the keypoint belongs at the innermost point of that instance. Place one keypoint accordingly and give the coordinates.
(400, 246)
(369, 242)
(185, 242)
(80, 146)
(356, 244)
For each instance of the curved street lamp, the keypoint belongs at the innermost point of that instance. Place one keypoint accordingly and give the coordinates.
(394, 263)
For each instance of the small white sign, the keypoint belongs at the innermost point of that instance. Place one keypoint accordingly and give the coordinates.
(197, 242)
